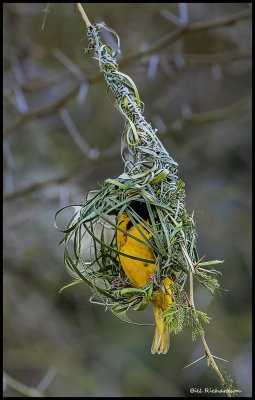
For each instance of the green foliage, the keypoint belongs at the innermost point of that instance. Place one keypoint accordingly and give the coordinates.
(208, 279)
(229, 383)
(197, 328)
(181, 314)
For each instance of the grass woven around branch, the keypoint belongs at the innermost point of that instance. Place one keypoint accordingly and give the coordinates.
(150, 177)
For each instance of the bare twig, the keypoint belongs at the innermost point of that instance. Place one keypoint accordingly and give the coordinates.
(217, 58)
(70, 66)
(215, 366)
(208, 116)
(207, 350)
(20, 387)
(83, 14)
(199, 261)
(158, 46)
(46, 11)
(187, 258)
(78, 139)
(194, 362)
(42, 111)
(47, 379)
(219, 358)
(192, 28)
(87, 163)
(201, 358)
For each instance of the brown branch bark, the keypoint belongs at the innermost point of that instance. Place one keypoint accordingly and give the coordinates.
(218, 58)
(87, 163)
(214, 115)
(83, 14)
(194, 27)
(42, 111)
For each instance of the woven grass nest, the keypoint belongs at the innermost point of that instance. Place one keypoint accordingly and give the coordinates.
(149, 181)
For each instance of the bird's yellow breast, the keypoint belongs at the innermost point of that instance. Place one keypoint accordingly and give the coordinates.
(139, 272)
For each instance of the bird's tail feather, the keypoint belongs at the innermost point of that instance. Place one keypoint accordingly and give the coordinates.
(161, 341)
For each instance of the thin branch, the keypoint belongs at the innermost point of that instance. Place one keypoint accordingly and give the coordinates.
(20, 387)
(70, 65)
(217, 58)
(219, 358)
(225, 112)
(158, 46)
(215, 366)
(46, 11)
(199, 261)
(187, 257)
(194, 362)
(47, 379)
(42, 111)
(87, 163)
(77, 138)
(201, 358)
(207, 350)
(194, 27)
(83, 14)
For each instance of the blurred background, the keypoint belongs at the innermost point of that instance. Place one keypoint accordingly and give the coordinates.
(62, 139)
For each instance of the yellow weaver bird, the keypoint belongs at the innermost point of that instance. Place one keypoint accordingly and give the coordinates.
(140, 273)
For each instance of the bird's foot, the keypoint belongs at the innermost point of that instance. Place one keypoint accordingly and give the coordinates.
(120, 284)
